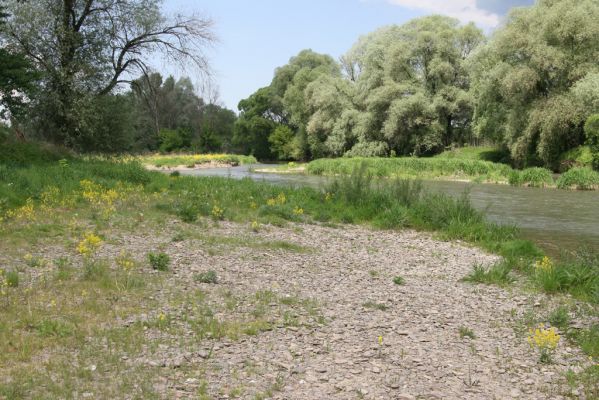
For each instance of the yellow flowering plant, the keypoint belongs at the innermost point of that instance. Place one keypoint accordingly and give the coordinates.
(544, 265)
(545, 340)
(298, 211)
(217, 212)
(89, 245)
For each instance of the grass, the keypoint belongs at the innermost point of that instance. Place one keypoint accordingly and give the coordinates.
(532, 177)
(405, 167)
(497, 274)
(398, 280)
(580, 179)
(466, 332)
(192, 160)
(65, 307)
(159, 261)
(206, 277)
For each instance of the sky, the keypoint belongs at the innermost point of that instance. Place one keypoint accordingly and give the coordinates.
(255, 37)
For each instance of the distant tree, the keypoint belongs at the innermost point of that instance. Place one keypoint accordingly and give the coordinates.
(17, 79)
(216, 130)
(536, 81)
(85, 48)
(257, 119)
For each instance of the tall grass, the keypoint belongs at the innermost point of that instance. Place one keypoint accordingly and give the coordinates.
(533, 177)
(579, 178)
(411, 166)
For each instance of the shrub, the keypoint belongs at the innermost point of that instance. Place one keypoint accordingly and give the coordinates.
(159, 261)
(206, 277)
(579, 178)
(498, 274)
(398, 280)
(591, 130)
(533, 177)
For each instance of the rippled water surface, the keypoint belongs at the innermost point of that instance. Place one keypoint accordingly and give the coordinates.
(555, 219)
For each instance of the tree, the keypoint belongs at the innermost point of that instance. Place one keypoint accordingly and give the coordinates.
(406, 90)
(534, 80)
(17, 79)
(87, 47)
(257, 120)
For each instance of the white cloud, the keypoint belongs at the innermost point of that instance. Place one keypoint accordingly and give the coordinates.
(464, 10)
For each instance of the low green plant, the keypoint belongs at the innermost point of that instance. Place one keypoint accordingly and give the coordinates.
(159, 261)
(12, 278)
(591, 130)
(398, 280)
(375, 306)
(579, 178)
(497, 274)
(466, 332)
(206, 277)
(533, 177)
(560, 317)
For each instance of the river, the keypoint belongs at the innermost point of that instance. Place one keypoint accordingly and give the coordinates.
(555, 219)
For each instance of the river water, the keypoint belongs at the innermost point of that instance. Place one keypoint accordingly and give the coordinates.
(555, 219)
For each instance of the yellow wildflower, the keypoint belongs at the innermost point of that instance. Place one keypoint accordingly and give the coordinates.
(298, 211)
(544, 265)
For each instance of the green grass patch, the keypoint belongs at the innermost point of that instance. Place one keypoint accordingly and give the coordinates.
(413, 167)
(580, 179)
(498, 274)
(532, 177)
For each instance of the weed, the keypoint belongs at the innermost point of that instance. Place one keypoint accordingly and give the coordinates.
(375, 306)
(466, 332)
(497, 274)
(559, 317)
(206, 277)
(398, 280)
(159, 261)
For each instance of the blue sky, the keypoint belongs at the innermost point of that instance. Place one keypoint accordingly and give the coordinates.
(255, 37)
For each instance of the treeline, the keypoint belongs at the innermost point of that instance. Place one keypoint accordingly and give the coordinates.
(432, 83)
(66, 71)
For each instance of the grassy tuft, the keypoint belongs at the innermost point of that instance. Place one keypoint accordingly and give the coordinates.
(579, 178)
(498, 274)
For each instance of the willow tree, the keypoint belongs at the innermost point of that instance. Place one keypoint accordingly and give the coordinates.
(409, 90)
(85, 48)
(536, 80)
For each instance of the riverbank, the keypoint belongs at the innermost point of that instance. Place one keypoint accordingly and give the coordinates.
(275, 312)
(120, 280)
(446, 169)
(191, 161)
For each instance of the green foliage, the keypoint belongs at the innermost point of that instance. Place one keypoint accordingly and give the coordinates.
(536, 80)
(579, 178)
(497, 274)
(577, 274)
(171, 140)
(282, 142)
(411, 166)
(580, 156)
(560, 317)
(206, 277)
(398, 280)
(533, 177)
(159, 261)
(591, 130)
(464, 331)
(12, 278)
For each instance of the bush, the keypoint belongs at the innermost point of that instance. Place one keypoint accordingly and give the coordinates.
(579, 178)
(591, 130)
(159, 261)
(206, 277)
(533, 177)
